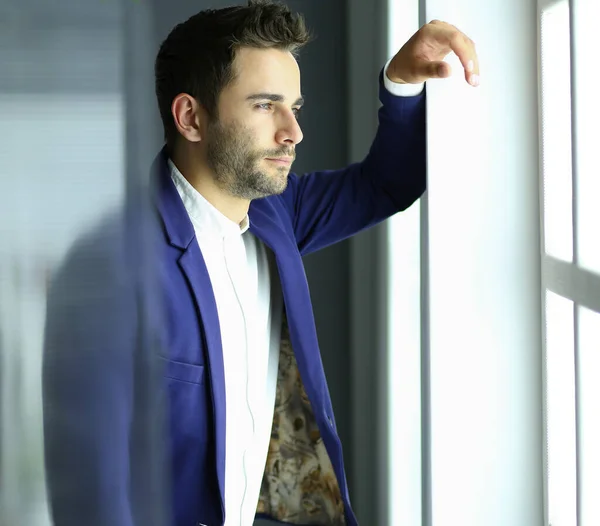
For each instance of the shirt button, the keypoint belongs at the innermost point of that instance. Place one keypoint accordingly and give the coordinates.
(330, 420)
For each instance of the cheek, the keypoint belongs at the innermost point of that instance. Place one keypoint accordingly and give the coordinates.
(262, 125)
(261, 139)
(255, 132)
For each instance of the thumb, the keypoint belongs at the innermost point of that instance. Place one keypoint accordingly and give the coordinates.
(433, 69)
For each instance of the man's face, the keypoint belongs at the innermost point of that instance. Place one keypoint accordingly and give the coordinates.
(251, 146)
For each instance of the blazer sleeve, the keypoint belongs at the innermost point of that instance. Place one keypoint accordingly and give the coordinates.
(87, 388)
(332, 205)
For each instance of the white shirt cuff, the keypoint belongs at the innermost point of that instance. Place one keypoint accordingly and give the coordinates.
(401, 90)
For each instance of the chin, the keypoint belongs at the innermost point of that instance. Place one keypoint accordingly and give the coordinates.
(281, 185)
(275, 188)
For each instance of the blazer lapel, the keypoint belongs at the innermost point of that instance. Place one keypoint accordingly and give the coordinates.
(296, 295)
(193, 266)
(180, 232)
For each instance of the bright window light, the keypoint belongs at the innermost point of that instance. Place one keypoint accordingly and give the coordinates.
(404, 479)
(589, 425)
(556, 132)
(587, 14)
(560, 411)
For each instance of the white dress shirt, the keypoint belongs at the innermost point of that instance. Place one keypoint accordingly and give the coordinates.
(247, 291)
(249, 302)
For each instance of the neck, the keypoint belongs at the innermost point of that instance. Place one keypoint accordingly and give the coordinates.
(199, 175)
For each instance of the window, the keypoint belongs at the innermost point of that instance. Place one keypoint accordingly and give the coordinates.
(585, 89)
(570, 261)
(404, 437)
(589, 425)
(556, 131)
(560, 410)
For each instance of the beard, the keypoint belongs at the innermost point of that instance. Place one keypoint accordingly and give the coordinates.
(236, 163)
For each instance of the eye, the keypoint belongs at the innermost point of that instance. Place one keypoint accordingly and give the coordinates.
(297, 111)
(264, 106)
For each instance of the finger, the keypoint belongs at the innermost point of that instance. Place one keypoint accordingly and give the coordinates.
(433, 69)
(464, 48)
(444, 70)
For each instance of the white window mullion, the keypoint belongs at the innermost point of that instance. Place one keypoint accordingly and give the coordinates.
(405, 474)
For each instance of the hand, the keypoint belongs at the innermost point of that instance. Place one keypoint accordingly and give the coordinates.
(421, 58)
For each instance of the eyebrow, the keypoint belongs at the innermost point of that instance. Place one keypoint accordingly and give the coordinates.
(273, 97)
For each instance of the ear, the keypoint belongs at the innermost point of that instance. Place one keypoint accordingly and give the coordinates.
(190, 117)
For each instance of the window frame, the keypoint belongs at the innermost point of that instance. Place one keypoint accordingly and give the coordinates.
(567, 279)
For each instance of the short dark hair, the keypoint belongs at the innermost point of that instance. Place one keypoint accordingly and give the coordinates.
(197, 56)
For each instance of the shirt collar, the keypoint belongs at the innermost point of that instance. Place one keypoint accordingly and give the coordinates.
(206, 218)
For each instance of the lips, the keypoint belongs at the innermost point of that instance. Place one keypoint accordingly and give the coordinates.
(281, 160)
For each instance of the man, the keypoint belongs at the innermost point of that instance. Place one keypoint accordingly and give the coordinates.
(250, 423)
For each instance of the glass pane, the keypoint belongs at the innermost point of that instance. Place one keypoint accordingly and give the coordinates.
(556, 132)
(587, 14)
(404, 369)
(61, 159)
(560, 411)
(589, 423)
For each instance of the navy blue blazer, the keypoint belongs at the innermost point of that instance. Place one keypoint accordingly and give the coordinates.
(110, 317)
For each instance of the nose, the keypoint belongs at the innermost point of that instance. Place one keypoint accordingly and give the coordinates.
(289, 132)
